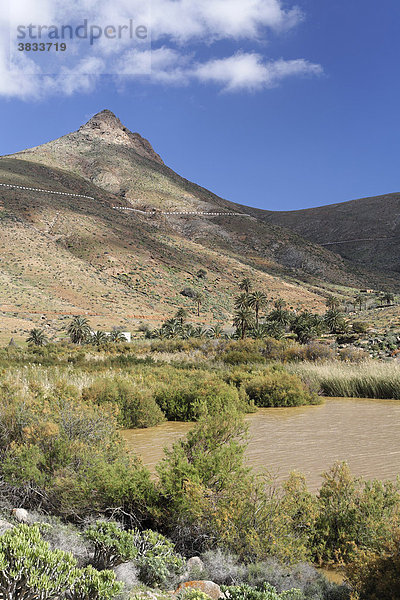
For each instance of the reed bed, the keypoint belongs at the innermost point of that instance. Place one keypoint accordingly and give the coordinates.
(369, 379)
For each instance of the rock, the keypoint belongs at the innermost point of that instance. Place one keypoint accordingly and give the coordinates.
(208, 587)
(194, 564)
(5, 526)
(127, 573)
(21, 515)
(188, 292)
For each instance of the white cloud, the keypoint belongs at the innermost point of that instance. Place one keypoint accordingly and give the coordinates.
(250, 72)
(219, 19)
(163, 65)
(240, 72)
(177, 27)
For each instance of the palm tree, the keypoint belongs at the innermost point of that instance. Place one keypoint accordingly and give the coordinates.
(117, 336)
(246, 285)
(37, 337)
(198, 298)
(388, 297)
(307, 326)
(79, 330)
(242, 301)
(259, 332)
(279, 303)
(243, 321)
(280, 314)
(171, 329)
(334, 320)
(332, 302)
(273, 329)
(257, 300)
(215, 332)
(181, 315)
(359, 299)
(198, 332)
(99, 338)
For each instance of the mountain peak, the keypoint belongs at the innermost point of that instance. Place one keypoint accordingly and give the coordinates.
(105, 126)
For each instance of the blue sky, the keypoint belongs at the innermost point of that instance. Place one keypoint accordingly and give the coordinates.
(297, 108)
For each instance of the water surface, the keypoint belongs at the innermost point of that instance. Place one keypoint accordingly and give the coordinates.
(308, 439)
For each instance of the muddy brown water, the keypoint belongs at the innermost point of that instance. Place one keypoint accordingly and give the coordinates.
(307, 439)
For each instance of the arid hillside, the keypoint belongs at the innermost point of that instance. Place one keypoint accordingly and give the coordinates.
(365, 231)
(63, 254)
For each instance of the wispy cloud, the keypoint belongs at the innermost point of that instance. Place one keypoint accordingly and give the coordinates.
(250, 72)
(240, 72)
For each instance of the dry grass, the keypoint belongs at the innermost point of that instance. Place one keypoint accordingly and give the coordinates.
(370, 379)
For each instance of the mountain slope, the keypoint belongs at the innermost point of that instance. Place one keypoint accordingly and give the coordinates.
(366, 231)
(63, 255)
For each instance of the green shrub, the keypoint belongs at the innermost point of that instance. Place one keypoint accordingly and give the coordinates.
(211, 497)
(187, 398)
(279, 389)
(303, 576)
(152, 553)
(242, 357)
(193, 594)
(157, 560)
(112, 545)
(29, 569)
(137, 407)
(360, 326)
(354, 515)
(353, 355)
(376, 576)
(94, 585)
(267, 592)
(68, 457)
(247, 351)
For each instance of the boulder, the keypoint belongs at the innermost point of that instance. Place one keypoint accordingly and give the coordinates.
(208, 587)
(21, 515)
(188, 292)
(5, 526)
(194, 564)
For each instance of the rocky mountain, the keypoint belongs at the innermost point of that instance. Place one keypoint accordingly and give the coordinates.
(365, 231)
(66, 249)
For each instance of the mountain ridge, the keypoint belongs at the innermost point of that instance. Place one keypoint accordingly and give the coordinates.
(62, 255)
(373, 223)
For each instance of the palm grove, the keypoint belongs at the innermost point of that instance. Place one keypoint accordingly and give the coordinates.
(255, 316)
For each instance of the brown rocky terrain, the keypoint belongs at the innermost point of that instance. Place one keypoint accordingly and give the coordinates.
(63, 255)
(365, 231)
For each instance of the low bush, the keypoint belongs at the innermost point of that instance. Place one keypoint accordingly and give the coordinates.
(242, 357)
(353, 515)
(222, 567)
(376, 576)
(157, 561)
(193, 594)
(212, 499)
(67, 456)
(279, 389)
(112, 545)
(267, 592)
(195, 394)
(360, 326)
(29, 569)
(150, 552)
(353, 355)
(136, 405)
(239, 352)
(303, 576)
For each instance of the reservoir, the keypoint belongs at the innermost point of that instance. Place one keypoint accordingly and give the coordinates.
(308, 439)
